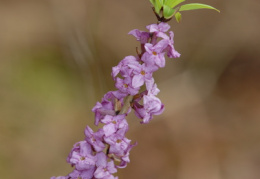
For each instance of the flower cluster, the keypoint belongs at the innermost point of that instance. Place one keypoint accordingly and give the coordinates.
(103, 151)
(136, 71)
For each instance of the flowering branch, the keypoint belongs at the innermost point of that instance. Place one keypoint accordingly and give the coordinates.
(104, 151)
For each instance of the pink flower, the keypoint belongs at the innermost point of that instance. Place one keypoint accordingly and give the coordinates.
(141, 36)
(125, 86)
(86, 174)
(114, 123)
(101, 110)
(154, 54)
(151, 87)
(159, 29)
(141, 73)
(162, 27)
(118, 143)
(152, 106)
(107, 105)
(104, 168)
(82, 157)
(95, 139)
(60, 177)
(125, 159)
(123, 67)
(171, 52)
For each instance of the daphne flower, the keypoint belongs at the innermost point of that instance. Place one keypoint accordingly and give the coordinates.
(171, 52)
(82, 158)
(155, 54)
(151, 87)
(159, 29)
(60, 177)
(162, 27)
(141, 73)
(104, 168)
(125, 159)
(114, 123)
(84, 174)
(123, 68)
(95, 139)
(141, 36)
(152, 106)
(125, 86)
(101, 110)
(118, 143)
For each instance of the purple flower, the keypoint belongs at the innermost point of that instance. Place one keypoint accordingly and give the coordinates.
(125, 159)
(107, 105)
(84, 174)
(151, 87)
(76, 148)
(123, 68)
(113, 123)
(100, 111)
(162, 27)
(119, 95)
(152, 106)
(118, 143)
(95, 139)
(125, 86)
(82, 157)
(141, 73)
(141, 36)
(159, 29)
(110, 98)
(171, 52)
(104, 168)
(60, 177)
(155, 54)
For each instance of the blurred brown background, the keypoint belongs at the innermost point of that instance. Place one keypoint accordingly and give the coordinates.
(56, 58)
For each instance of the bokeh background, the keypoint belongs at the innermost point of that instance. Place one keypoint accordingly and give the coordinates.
(55, 63)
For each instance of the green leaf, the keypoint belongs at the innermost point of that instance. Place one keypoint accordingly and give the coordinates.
(161, 2)
(153, 2)
(193, 6)
(172, 3)
(178, 17)
(167, 12)
(158, 6)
